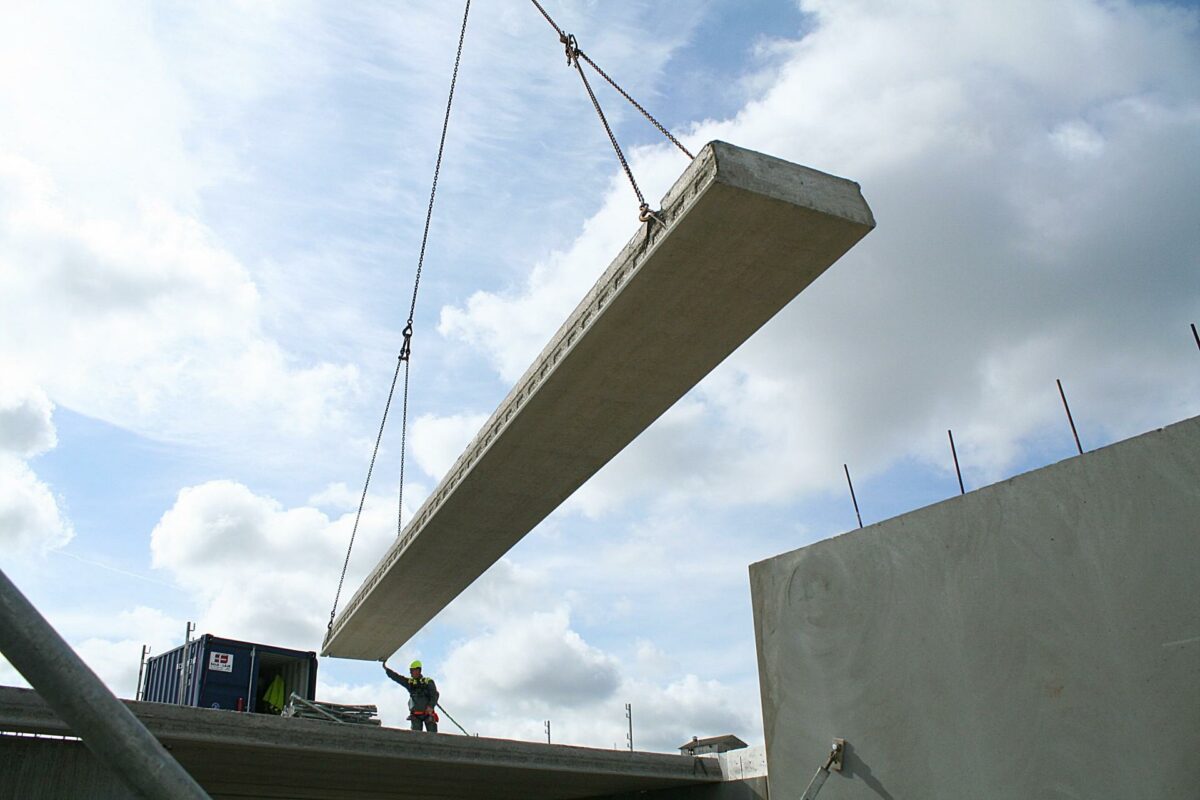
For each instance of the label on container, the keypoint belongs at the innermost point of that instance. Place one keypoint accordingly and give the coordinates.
(221, 662)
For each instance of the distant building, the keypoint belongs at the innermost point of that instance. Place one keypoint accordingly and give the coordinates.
(713, 744)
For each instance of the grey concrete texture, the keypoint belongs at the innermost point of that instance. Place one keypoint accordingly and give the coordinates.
(1039, 637)
(236, 755)
(746, 789)
(54, 769)
(31, 769)
(744, 234)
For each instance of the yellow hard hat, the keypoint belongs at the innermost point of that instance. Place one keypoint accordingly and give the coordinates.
(415, 665)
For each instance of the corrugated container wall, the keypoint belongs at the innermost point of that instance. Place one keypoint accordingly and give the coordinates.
(230, 674)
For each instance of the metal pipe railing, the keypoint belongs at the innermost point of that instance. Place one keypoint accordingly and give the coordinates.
(110, 730)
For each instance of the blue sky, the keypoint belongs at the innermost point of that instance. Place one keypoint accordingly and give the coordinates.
(209, 220)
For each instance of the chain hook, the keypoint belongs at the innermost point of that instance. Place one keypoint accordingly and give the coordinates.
(571, 45)
(406, 347)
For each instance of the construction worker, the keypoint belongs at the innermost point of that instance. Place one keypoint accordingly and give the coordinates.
(422, 696)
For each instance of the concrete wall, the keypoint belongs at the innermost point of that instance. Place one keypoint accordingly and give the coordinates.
(53, 769)
(261, 756)
(748, 789)
(1037, 638)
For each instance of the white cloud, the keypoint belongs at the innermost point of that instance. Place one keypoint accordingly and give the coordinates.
(31, 520)
(260, 571)
(532, 666)
(110, 644)
(531, 663)
(115, 295)
(1030, 169)
(438, 441)
(337, 496)
(26, 428)
(1077, 139)
(154, 325)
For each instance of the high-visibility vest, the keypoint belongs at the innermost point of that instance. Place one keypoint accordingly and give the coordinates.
(274, 696)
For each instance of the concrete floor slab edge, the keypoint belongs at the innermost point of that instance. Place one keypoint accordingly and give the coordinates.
(718, 163)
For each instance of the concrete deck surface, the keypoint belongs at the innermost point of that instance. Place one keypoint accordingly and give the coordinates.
(745, 233)
(1039, 637)
(250, 755)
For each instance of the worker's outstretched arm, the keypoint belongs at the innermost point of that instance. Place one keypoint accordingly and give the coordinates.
(396, 676)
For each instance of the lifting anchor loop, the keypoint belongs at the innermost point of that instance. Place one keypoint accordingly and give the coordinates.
(837, 753)
(646, 215)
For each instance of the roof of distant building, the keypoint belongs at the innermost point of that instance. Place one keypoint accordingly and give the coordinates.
(713, 744)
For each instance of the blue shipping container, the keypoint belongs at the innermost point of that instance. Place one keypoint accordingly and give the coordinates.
(226, 673)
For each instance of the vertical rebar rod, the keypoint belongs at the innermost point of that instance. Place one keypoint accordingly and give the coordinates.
(137, 692)
(547, 731)
(83, 702)
(853, 498)
(957, 471)
(1070, 419)
(629, 717)
(253, 675)
(183, 664)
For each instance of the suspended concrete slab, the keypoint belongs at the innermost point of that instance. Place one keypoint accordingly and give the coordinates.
(744, 234)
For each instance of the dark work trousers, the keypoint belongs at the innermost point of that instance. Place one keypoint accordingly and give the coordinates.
(419, 720)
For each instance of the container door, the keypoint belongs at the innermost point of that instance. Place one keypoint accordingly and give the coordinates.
(227, 671)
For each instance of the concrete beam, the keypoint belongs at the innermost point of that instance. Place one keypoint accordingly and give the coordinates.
(745, 233)
(263, 756)
(1035, 638)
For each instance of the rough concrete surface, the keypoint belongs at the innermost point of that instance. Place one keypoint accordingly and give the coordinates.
(236, 755)
(745, 233)
(745, 789)
(1036, 638)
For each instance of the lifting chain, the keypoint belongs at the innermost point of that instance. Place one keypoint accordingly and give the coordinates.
(575, 58)
(406, 346)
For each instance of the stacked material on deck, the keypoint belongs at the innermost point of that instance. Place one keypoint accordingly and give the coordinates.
(330, 712)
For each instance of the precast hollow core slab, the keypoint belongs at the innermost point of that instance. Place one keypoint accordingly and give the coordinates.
(743, 233)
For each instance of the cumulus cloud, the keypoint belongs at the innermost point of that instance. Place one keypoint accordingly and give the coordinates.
(337, 496)
(1032, 171)
(26, 428)
(507, 680)
(259, 571)
(110, 643)
(533, 663)
(31, 520)
(115, 295)
(151, 314)
(438, 441)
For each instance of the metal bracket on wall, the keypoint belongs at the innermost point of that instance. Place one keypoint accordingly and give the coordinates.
(834, 762)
